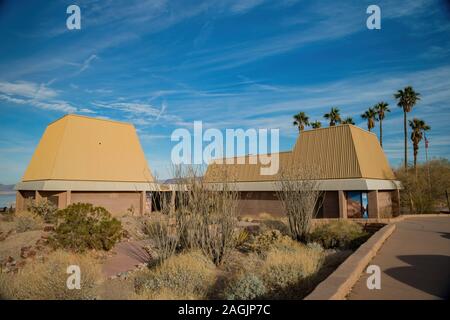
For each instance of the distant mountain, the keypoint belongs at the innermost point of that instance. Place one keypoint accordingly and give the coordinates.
(6, 187)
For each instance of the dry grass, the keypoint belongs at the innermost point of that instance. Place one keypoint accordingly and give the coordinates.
(46, 280)
(183, 276)
(288, 271)
(27, 221)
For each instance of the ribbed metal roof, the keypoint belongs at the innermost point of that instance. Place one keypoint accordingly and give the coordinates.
(88, 149)
(339, 152)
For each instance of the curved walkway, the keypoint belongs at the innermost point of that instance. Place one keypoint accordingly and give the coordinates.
(127, 255)
(414, 262)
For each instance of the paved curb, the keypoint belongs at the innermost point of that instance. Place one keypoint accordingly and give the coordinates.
(342, 280)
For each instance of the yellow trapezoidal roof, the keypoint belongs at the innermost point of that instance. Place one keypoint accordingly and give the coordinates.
(338, 152)
(88, 149)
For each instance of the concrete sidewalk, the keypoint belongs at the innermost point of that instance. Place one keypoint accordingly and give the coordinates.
(414, 262)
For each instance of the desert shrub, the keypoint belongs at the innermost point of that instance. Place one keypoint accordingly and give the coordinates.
(82, 226)
(274, 224)
(47, 280)
(263, 242)
(44, 209)
(245, 287)
(289, 273)
(187, 276)
(426, 189)
(342, 234)
(300, 197)
(26, 221)
(166, 236)
(241, 238)
(206, 214)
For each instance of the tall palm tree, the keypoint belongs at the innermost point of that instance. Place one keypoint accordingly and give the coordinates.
(301, 120)
(316, 124)
(418, 127)
(381, 108)
(369, 115)
(348, 120)
(406, 99)
(334, 117)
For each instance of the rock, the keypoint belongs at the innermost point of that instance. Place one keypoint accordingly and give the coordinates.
(41, 242)
(27, 252)
(9, 259)
(49, 228)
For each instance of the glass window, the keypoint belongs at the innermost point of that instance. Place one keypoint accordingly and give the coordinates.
(357, 204)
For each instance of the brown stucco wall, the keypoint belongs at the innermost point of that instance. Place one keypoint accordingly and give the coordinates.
(117, 203)
(254, 203)
(385, 204)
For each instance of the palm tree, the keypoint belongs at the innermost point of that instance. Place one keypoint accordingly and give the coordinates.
(381, 108)
(334, 117)
(316, 124)
(369, 115)
(301, 120)
(407, 98)
(348, 120)
(418, 127)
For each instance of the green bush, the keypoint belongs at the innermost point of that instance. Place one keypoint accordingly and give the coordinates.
(82, 226)
(44, 209)
(245, 287)
(183, 276)
(341, 234)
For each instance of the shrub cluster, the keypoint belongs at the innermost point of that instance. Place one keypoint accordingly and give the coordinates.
(47, 280)
(287, 270)
(425, 190)
(183, 276)
(246, 286)
(82, 226)
(262, 242)
(26, 221)
(341, 234)
(44, 209)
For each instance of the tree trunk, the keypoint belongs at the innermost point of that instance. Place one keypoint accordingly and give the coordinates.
(416, 151)
(406, 140)
(381, 133)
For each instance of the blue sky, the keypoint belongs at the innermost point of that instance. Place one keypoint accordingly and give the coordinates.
(232, 64)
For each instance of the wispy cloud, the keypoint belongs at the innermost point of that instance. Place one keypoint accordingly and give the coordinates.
(86, 63)
(36, 95)
(243, 6)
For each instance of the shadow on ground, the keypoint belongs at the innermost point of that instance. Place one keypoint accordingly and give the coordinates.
(417, 273)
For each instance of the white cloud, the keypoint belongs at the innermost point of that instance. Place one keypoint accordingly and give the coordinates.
(242, 6)
(33, 94)
(27, 89)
